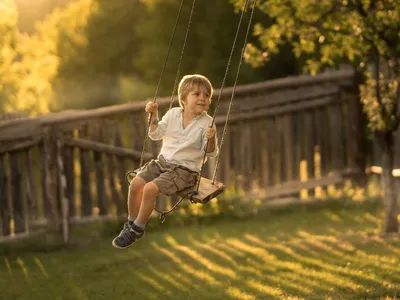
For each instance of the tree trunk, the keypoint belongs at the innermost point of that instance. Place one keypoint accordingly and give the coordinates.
(388, 184)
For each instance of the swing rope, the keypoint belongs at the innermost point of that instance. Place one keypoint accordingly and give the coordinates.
(181, 57)
(233, 92)
(223, 85)
(190, 194)
(159, 81)
(161, 75)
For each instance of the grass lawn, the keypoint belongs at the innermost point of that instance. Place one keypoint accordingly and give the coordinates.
(319, 252)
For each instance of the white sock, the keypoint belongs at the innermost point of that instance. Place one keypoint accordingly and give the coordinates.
(139, 224)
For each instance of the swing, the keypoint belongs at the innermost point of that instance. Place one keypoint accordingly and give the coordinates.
(206, 189)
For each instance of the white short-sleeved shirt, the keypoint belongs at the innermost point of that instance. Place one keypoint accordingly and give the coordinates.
(180, 146)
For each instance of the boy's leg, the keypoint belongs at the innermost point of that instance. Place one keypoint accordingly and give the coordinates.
(135, 195)
(131, 232)
(150, 192)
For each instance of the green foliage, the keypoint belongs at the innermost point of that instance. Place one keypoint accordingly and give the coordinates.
(91, 53)
(8, 55)
(208, 46)
(327, 33)
(385, 119)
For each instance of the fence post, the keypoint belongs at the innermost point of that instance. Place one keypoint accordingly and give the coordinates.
(357, 141)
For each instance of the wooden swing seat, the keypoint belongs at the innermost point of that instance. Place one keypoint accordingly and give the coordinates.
(207, 191)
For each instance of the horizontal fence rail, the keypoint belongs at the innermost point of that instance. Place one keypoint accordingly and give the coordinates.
(284, 136)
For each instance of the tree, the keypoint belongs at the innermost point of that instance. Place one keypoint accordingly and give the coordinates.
(209, 43)
(362, 32)
(8, 55)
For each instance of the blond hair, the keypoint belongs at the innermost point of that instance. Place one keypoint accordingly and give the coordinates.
(188, 83)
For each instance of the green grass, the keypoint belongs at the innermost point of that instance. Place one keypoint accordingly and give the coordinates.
(326, 251)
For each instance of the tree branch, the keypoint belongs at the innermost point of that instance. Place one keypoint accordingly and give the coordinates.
(377, 80)
(318, 24)
(358, 6)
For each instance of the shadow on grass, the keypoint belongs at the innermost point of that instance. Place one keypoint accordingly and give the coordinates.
(319, 251)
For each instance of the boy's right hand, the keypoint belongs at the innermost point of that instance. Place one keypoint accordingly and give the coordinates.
(151, 107)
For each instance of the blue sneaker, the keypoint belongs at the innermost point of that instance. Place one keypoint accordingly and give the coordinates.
(128, 235)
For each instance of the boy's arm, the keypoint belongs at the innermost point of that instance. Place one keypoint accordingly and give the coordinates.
(211, 148)
(153, 121)
(157, 128)
(212, 143)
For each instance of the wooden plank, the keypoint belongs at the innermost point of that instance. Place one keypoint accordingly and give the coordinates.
(242, 137)
(116, 196)
(99, 171)
(326, 155)
(319, 132)
(86, 196)
(277, 153)
(294, 187)
(297, 138)
(224, 159)
(271, 139)
(121, 168)
(104, 148)
(44, 171)
(53, 179)
(357, 140)
(20, 129)
(255, 153)
(308, 142)
(288, 97)
(5, 210)
(207, 191)
(16, 193)
(70, 178)
(62, 190)
(264, 159)
(137, 140)
(30, 185)
(288, 148)
(274, 111)
(19, 145)
(335, 136)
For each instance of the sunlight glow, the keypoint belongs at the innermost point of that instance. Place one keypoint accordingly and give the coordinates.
(265, 289)
(186, 267)
(316, 262)
(20, 262)
(153, 283)
(207, 263)
(213, 251)
(41, 267)
(182, 284)
(281, 281)
(333, 217)
(238, 294)
(8, 267)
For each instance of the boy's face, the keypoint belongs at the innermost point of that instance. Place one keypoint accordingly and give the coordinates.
(197, 100)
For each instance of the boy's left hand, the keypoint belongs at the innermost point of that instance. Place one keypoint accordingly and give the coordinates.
(210, 133)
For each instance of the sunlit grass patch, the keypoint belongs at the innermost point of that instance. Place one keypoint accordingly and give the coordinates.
(321, 252)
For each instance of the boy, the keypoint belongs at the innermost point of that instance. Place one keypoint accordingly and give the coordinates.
(185, 131)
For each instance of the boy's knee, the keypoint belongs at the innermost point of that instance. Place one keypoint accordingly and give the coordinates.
(137, 183)
(151, 188)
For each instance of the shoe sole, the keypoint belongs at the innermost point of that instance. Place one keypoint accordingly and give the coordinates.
(118, 247)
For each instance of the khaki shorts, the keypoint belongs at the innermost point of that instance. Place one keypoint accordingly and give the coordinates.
(170, 178)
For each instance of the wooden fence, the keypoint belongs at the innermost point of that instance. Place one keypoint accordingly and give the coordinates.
(70, 166)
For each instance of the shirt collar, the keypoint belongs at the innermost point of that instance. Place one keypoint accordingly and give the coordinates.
(196, 117)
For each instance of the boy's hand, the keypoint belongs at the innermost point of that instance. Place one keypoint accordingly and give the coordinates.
(210, 133)
(151, 107)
